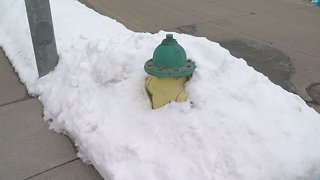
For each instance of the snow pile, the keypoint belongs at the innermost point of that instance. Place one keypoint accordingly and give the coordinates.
(235, 125)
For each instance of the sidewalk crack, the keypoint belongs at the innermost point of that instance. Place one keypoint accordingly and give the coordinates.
(27, 97)
(37, 174)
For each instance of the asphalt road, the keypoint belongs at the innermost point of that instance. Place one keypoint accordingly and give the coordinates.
(280, 38)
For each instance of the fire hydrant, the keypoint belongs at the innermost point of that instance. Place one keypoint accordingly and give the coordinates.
(169, 70)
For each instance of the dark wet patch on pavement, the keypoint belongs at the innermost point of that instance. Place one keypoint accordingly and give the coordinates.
(271, 62)
(189, 29)
(313, 91)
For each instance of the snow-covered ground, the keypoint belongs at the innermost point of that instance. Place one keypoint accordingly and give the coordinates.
(236, 124)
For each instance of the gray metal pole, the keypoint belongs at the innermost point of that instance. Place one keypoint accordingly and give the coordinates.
(42, 34)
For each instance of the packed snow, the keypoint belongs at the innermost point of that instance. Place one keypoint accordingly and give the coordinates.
(236, 124)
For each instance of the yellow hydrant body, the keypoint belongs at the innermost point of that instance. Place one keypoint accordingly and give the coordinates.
(164, 90)
(170, 70)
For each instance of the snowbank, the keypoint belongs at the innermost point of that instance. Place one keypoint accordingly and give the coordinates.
(235, 125)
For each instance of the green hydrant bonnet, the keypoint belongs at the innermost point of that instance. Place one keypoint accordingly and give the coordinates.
(169, 60)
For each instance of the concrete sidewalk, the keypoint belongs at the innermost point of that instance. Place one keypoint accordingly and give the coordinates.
(28, 149)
